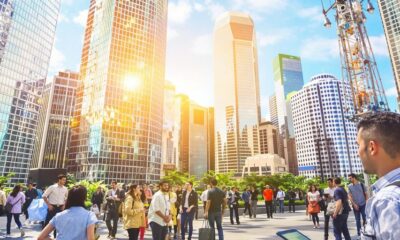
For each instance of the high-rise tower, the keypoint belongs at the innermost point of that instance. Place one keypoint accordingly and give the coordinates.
(237, 100)
(117, 125)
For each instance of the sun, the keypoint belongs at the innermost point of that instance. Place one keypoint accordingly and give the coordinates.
(132, 82)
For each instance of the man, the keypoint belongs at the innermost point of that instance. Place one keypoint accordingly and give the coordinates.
(253, 200)
(246, 199)
(3, 200)
(268, 195)
(55, 197)
(328, 196)
(203, 197)
(280, 197)
(188, 209)
(159, 212)
(358, 199)
(341, 211)
(215, 208)
(379, 150)
(233, 200)
(292, 201)
(97, 199)
(30, 194)
(114, 198)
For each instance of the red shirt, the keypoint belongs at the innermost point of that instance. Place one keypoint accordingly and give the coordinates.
(268, 194)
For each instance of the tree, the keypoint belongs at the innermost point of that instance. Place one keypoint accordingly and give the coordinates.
(6, 178)
(179, 178)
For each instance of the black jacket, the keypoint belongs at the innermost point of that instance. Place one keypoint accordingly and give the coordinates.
(237, 198)
(193, 199)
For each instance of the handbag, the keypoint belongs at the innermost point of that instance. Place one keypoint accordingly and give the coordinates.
(330, 209)
(8, 207)
(313, 207)
(205, 232)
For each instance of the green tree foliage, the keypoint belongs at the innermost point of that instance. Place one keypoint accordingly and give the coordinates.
(91, 188)
(6, 178)
(179, 178)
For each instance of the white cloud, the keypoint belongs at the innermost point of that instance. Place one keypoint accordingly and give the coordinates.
(320, 49)
(62, 18)
(273, 38)
(171, 33)
(203, 45)
(199, 7)
(391, 92)
(379, 46)
(312, 13)
(81, 18)
(215, 9)
(264, 6)
(179, 12)
(57, 60)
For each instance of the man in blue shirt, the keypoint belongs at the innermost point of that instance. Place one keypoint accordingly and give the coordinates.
(358, 198)
(341, 211)
(246, 199)
(379, 149)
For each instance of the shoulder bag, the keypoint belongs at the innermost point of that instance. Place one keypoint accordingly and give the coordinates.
(8, 207)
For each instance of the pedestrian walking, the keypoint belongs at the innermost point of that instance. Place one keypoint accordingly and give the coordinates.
(313, 204)
(75, 222)
(142, 230)
(148, 193)
(292, 200)
(268, 195)
(358, 198)
(215, 208)
(379, 150)
(97, 199)
(3, 200)
(280, 197)
(133, 212)
(15, 200)
(233, 203)
(246, 198)
(30, 194)
(159, 212)
(253, 200)
(203, 197)
(114, 198)
(341, 211)
(55, 197)
(188, 209)
(276, 202)
(327, 198)
(174, 212)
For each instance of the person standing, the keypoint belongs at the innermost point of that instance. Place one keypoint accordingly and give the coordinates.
(280, 197)
(327, 198)
(55, 197)
(341, 211)
(268, 195)
(148, 193)
(133, 212)
(292, 200)
(159, 212)
(253, 200)
(97, 198)
(358, 198)
(114, 198)
(314, 197)
(203, 196)
(30, 194)
(2, 200)
(174, 212)
(233, 201)
(16, 199)
(215, 208)
(379, 150)
(188, 209)
(246, 198)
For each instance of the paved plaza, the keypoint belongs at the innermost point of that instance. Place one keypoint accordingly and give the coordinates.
(249, 229)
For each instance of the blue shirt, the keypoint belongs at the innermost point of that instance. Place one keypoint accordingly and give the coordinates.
(357, 192)
(383, 209)
(72, 223)
(246, 196)
(341, 194)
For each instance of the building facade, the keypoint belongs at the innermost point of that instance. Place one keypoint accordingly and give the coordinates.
(390, 14)
(118, 118)
(273, 111)
(264, 164)
(211, 140)
(237, 100)
(325, 137)
(27, 36)
(269, 136)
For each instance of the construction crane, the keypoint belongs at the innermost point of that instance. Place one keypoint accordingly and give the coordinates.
(359, 69)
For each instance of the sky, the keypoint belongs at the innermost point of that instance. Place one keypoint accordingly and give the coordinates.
(292, 27)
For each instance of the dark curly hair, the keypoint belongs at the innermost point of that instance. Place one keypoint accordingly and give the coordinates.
(384, 127)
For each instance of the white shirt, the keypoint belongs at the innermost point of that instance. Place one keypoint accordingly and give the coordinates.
(160, 202)
(203, 196)
(313, 196)
(56, 194)
(280, 195)
(330, 191)
(186, 204)
(2, 198)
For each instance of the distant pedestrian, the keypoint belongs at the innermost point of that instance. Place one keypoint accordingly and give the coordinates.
(174, 212)
(268, 195)
(233, 203)
(379, 149)
(30, 194)
(328, 197)
(16, 199)
(133, 212)
(114, 198)
(313, 204)
(341, 211)
(215, 208)
(253, 200)
(3, 200)
(246, 198)
(276, 202)
(280, 197)
(292, 200)
(358, 198)
(75, 222)
(159, 212)
(203, 196)
(55, 197)
(98, 198)
(188, 209)
(148, 192)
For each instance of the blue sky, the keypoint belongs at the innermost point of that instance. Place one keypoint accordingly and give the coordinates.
(282, 26)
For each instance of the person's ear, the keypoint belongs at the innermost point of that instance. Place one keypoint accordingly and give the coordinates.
(373, 147)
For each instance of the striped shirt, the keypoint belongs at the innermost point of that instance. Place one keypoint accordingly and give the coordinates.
(383, 209)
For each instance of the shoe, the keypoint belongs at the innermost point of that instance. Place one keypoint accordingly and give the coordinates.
(314, 227)
(22, 232)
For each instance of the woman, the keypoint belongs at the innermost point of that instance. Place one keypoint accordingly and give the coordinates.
(16, 200)
(97, 200)
(75, 222)
(174, 211)
(142, 230)
(133, 213)
(313, 198)
(253, 200)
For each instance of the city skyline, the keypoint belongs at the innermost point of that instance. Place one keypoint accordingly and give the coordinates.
(189, 51)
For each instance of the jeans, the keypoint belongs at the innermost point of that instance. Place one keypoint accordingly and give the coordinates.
(358, 214)
(50, 215)
(275, 205)
(217, 218)
(253, 204)
(16, 219)
(268, 207)
(112, 216)
(326, 226)
(234, 209)
(187, 217)
(292, 205)
(157, 231)
(247, 207)
(340, 226)
(315, 218)
(281, 206)
(133, 233)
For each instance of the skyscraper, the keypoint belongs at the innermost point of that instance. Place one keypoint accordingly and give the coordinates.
(211, 140)
(390, 13)
(273, 110)
(198, 139)
(117, 125)
(325, 138)
(27, 34)
(269, 138)
(237, 100)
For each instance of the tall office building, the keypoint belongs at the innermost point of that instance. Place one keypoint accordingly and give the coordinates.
(53, 133)
(211, 140)
(237, 100)
(390, 13)
(27, 34)
(325, 138)
(273, 111)
(117, 125)
(269, 138)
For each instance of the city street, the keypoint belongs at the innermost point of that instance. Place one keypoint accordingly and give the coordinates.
(249, 229)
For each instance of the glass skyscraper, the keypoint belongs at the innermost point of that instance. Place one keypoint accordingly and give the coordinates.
(117, 124)
(237, 100)
(27, 35)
